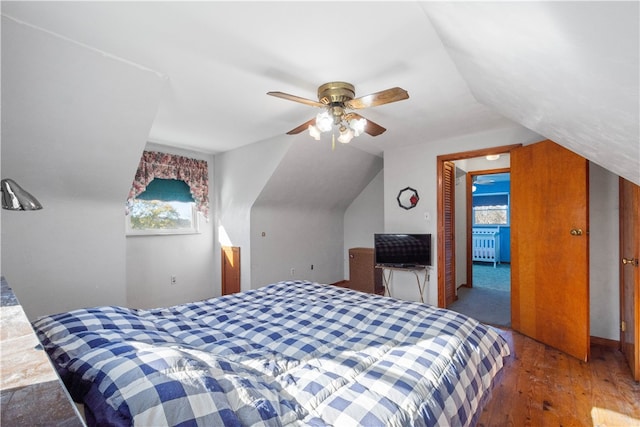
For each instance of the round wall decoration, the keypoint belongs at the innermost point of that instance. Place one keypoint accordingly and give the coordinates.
(408, 198)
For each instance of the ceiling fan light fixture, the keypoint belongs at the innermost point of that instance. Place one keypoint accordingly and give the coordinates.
(324, 121)
(314, 132)
(358, 126)
(346, 135)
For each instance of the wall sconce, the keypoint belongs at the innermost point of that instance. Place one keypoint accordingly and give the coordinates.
(15, 198)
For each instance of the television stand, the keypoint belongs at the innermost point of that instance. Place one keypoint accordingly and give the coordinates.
(387, 276)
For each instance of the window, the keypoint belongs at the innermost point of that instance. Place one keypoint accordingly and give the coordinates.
(168, 195)
(491, 209)
(165, 207)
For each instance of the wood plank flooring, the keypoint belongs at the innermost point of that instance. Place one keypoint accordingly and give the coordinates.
(541, 386)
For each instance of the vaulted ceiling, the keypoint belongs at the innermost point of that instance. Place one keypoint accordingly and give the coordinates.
(568, 71)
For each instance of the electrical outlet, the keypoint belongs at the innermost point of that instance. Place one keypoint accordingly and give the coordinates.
(293, 271)
(174, 280)
(312, 266)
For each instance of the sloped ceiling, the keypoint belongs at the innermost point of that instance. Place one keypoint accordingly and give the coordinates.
(314, 177)
(568, 71)
(221, 58)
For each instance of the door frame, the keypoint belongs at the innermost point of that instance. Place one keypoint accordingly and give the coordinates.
(440, 201)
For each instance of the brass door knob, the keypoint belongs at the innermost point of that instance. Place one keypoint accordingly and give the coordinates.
(576, 231)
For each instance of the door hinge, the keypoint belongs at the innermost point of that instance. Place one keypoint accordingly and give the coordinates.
(623, 326)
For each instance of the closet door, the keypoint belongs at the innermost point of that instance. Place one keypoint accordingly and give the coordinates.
(630, 274)
(446, 236)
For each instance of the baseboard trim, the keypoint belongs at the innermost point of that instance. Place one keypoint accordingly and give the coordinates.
(605, 342)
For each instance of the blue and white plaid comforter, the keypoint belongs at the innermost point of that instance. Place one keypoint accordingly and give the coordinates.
(288, 354)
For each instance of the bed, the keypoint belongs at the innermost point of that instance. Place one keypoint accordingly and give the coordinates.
(289, 354)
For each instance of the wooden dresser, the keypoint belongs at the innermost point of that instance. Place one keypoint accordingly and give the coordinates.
(31, 392)
(363, 276)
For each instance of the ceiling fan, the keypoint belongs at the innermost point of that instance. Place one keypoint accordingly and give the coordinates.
(337, 99)
(483, 180)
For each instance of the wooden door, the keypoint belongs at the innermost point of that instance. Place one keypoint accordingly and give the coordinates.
(447, 262)
(630, 274)
(230, 270)
(550, 247)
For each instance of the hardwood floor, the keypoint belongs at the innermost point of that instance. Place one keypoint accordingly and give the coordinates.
(541, 386)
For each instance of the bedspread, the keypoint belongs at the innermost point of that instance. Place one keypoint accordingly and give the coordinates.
(291, 353)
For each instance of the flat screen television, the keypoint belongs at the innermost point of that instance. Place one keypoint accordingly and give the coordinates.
(402, 250)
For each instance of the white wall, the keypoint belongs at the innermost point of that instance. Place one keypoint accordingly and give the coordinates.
(296, 238)
(604, 258)
(240, 176)
(152, 260)
(302, 208)
(74, 123)
(363, 218)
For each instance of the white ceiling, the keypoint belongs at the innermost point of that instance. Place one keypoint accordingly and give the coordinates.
(568, 71)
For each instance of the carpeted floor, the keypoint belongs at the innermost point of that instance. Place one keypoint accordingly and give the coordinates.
(489, 300)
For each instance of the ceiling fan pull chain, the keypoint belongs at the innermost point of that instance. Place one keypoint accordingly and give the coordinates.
(333, 142)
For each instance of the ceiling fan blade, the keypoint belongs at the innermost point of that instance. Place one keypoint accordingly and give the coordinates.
(297, 99)
(378, 98)
(371, 128)
(302, 127)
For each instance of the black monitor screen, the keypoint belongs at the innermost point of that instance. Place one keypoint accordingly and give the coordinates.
(403, 250)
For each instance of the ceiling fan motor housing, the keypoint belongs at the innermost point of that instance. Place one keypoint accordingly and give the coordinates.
(336, 92)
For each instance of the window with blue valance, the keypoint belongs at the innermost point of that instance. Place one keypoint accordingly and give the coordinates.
(193, 172)
(167, 193)
(167, 190)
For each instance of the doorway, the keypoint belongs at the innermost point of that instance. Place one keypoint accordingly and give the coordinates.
(550, 257)
(446, 221)
(486, 293)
